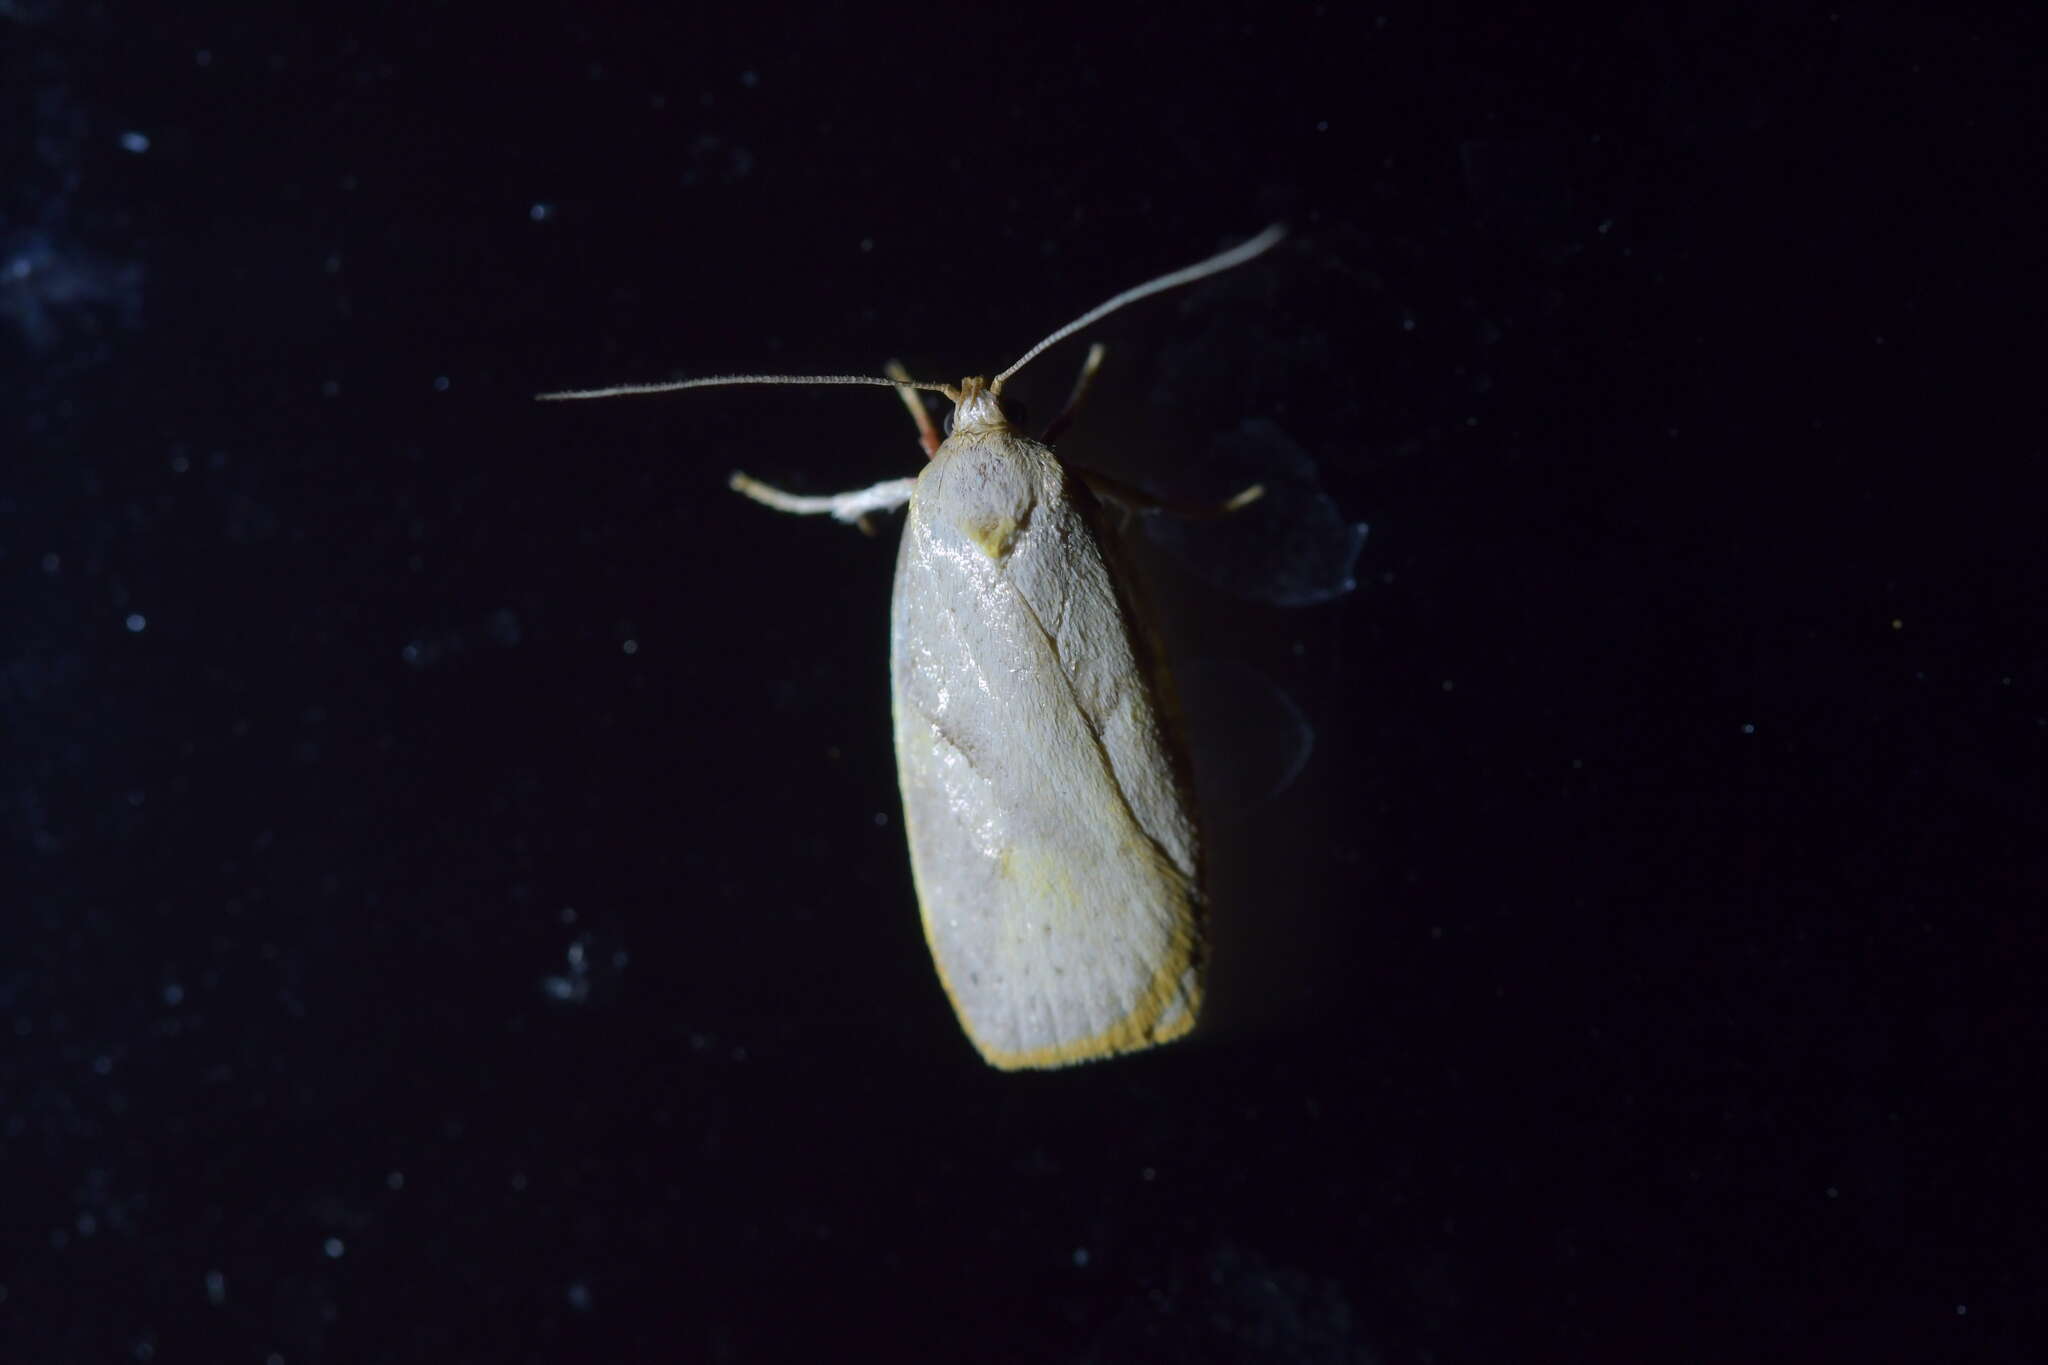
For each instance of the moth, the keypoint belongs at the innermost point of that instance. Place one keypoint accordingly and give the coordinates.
(1052, 843)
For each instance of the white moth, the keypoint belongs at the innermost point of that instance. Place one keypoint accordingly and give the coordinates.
(1052, 845)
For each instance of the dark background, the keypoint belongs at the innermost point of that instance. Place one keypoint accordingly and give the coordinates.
(454, 905)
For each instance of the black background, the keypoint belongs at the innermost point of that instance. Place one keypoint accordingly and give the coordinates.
(1684, 725)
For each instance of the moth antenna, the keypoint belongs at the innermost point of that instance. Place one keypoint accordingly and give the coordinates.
(1216, 264)
(671, 386)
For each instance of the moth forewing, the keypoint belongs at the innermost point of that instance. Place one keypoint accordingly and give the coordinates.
(1051, 843)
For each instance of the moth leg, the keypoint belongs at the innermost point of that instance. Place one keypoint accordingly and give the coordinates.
(1082, 382)
(1133, 502)
(854, 507)
(927, 434)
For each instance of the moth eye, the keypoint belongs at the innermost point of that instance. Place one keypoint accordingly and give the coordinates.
(948, 423)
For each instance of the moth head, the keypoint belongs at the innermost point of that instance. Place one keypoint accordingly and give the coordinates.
(976, 407)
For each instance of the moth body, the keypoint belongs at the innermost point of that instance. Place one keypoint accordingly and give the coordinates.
(1052, 846)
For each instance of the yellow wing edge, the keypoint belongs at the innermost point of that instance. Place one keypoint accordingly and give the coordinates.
(1167, 1009)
